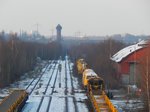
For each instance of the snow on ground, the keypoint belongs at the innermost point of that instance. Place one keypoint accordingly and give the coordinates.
(80, 98)
(44, 104)
(79, 94)
(128, 105)
(58, 93)
(3, 93)
(57, 105)
(60, 96)
(124, 103)
(31, 104)
(39, 90)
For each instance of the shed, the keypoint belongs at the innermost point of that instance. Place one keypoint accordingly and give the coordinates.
(126, 61)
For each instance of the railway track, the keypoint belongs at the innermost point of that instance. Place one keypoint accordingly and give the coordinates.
(34, 79)
(42, 73)
(41, 101)
(16, 98)
(57, 90)
(48, 108)
(69, 89)
(66, 87)
(46, 90)
(73, 91)
(47, 67)
(53, 89)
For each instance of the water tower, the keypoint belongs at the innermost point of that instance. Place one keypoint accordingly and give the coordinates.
(58, 28)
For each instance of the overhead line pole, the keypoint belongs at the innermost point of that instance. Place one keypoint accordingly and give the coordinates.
(147, 82)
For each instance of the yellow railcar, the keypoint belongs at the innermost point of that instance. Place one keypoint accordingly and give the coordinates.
(87, 75)
(81, 65)
(97, 83)
(14, 102)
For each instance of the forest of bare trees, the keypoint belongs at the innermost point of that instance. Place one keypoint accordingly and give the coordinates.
(98, 56)
(18, 57)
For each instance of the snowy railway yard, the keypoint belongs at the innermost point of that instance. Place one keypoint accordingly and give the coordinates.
(52, 87)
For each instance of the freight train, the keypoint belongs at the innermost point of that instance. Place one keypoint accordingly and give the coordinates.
(89, 76)
(14, 102)
(95, 88)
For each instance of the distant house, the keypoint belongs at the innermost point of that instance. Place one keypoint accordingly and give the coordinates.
(126, 61)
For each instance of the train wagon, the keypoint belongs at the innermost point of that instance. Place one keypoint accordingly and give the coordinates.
(14, 102)
(97, 83)
(100, 103)
(88, 74)
(81, 65)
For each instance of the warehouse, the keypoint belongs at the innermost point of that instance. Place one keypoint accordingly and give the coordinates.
(126, 61)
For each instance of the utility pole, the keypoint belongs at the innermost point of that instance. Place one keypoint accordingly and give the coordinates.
(37, 28)
(52, 32)
(110, 46)
(147, 82)
(147, 72)
(20, 33)
(79, 33)
(135, 64)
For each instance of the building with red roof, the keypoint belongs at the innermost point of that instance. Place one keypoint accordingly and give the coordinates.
(127, 60)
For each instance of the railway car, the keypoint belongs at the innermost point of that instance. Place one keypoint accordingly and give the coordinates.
(81, 65)
(91, 78)
(87, 75)
(97, 83)
(14, 102)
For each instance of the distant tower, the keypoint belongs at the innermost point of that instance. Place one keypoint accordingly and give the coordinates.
(58, 28)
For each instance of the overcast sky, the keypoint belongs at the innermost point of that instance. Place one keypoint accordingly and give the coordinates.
(90, 17)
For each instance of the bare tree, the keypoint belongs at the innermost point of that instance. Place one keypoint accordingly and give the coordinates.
(145, 77)
(18, 57)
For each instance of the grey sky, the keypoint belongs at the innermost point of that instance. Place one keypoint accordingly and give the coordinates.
(91, 17)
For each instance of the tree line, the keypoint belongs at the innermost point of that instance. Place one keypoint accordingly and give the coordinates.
(18, 57)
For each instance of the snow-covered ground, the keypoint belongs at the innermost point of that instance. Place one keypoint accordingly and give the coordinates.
(52, 90)
(23, 82)
(125, 102)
